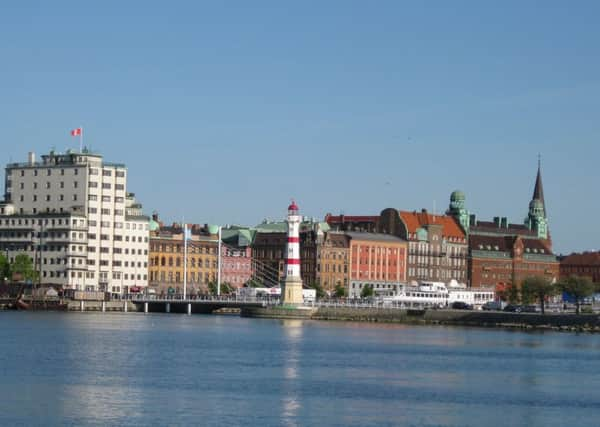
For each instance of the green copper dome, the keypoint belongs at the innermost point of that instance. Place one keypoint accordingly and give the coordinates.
(213, 229)
(154, 226)
(457, 195)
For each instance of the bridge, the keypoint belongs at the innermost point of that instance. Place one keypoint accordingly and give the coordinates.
(204, 305)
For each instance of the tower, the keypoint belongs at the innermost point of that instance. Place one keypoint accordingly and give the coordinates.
(458, 210)
(536, 219)
(292, 284)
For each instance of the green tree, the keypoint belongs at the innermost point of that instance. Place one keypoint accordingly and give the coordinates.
(225, 288)
(318, 289)
(537, 288)
(512, 294)
(340, 291)
(23, 268)
(367, 291)
(579, 288)
(254, 283)
(4, 267)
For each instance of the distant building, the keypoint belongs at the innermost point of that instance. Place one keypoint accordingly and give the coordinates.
(333, 261)
(167, 258)
(236, 256)
(437, 245)
(502, 253)
(586, 264)
(72, 214)
(269, 246)
(376, 260)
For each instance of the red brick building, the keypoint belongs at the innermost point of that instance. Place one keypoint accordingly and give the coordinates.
(498, 261)
(586, 264)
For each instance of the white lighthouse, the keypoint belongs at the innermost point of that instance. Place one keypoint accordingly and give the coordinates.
(292, 284)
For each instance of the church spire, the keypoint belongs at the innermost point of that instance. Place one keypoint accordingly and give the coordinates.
(538, 191)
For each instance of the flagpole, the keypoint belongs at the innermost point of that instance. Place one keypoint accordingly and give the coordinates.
(185, 244)
(80, 139)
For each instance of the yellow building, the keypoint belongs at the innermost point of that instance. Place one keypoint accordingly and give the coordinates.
(332, 261)
(166, 259)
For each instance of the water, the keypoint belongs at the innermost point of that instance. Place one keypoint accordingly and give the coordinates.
(159, 369)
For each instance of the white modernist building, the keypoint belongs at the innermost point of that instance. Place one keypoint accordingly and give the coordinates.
(72, 214)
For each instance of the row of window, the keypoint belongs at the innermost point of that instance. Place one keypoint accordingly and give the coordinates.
(94, 198)
(178, 262)
(53, 221)
(177, 277)
(48, 198)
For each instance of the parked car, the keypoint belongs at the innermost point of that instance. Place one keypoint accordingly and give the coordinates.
(494, 305)
(513, 308)
(459, 305)
(530, 309)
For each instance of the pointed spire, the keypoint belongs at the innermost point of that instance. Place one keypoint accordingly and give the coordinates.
(538, 191)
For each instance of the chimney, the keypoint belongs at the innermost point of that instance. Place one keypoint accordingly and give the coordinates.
(504, 222)
(472, 220)
(497, 221)
(31, 158)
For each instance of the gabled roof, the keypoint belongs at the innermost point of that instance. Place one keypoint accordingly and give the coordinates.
(415, 220)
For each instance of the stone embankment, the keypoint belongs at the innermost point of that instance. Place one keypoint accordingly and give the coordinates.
(564, 322)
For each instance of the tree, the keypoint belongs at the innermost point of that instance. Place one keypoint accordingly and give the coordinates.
(318, 289)
(512, 294)
(4, 267)
(225, 288)
(537, 287)
(254, 283)
(340, 291)
(578, 287)
(367, 291)
(23, 267)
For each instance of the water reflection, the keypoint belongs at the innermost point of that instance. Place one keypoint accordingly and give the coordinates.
(291, 404)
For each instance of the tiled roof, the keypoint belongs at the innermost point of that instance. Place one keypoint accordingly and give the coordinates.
(379, 237)
(491, 227)
(584, 259)
(338, 219)
(415, 220)
(505, 244)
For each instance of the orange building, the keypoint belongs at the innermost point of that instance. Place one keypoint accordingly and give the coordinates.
(166, 266)
(377, 260)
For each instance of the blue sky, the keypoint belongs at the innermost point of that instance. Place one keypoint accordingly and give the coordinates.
(223, 111)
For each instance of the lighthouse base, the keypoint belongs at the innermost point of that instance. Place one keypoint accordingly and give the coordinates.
(291, 291)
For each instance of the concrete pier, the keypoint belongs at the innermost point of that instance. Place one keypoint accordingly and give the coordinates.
(103, 306)
(82, 306)
(145, 307)
(125, 306)
(168, 307)
(189, 309)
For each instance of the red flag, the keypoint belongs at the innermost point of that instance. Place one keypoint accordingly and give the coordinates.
(76, 132)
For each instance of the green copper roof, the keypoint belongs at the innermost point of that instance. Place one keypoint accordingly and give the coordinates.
(154, 226)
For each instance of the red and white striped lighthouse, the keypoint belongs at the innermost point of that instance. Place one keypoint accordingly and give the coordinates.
(292, 284)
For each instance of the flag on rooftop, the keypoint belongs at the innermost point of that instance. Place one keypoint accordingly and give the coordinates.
(76, 132)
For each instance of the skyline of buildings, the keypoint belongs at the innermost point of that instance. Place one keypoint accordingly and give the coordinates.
(74, 216)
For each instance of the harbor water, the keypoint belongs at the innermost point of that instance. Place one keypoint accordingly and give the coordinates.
(168, 369)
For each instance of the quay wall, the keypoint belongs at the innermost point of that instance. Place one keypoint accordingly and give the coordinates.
(584, 322)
